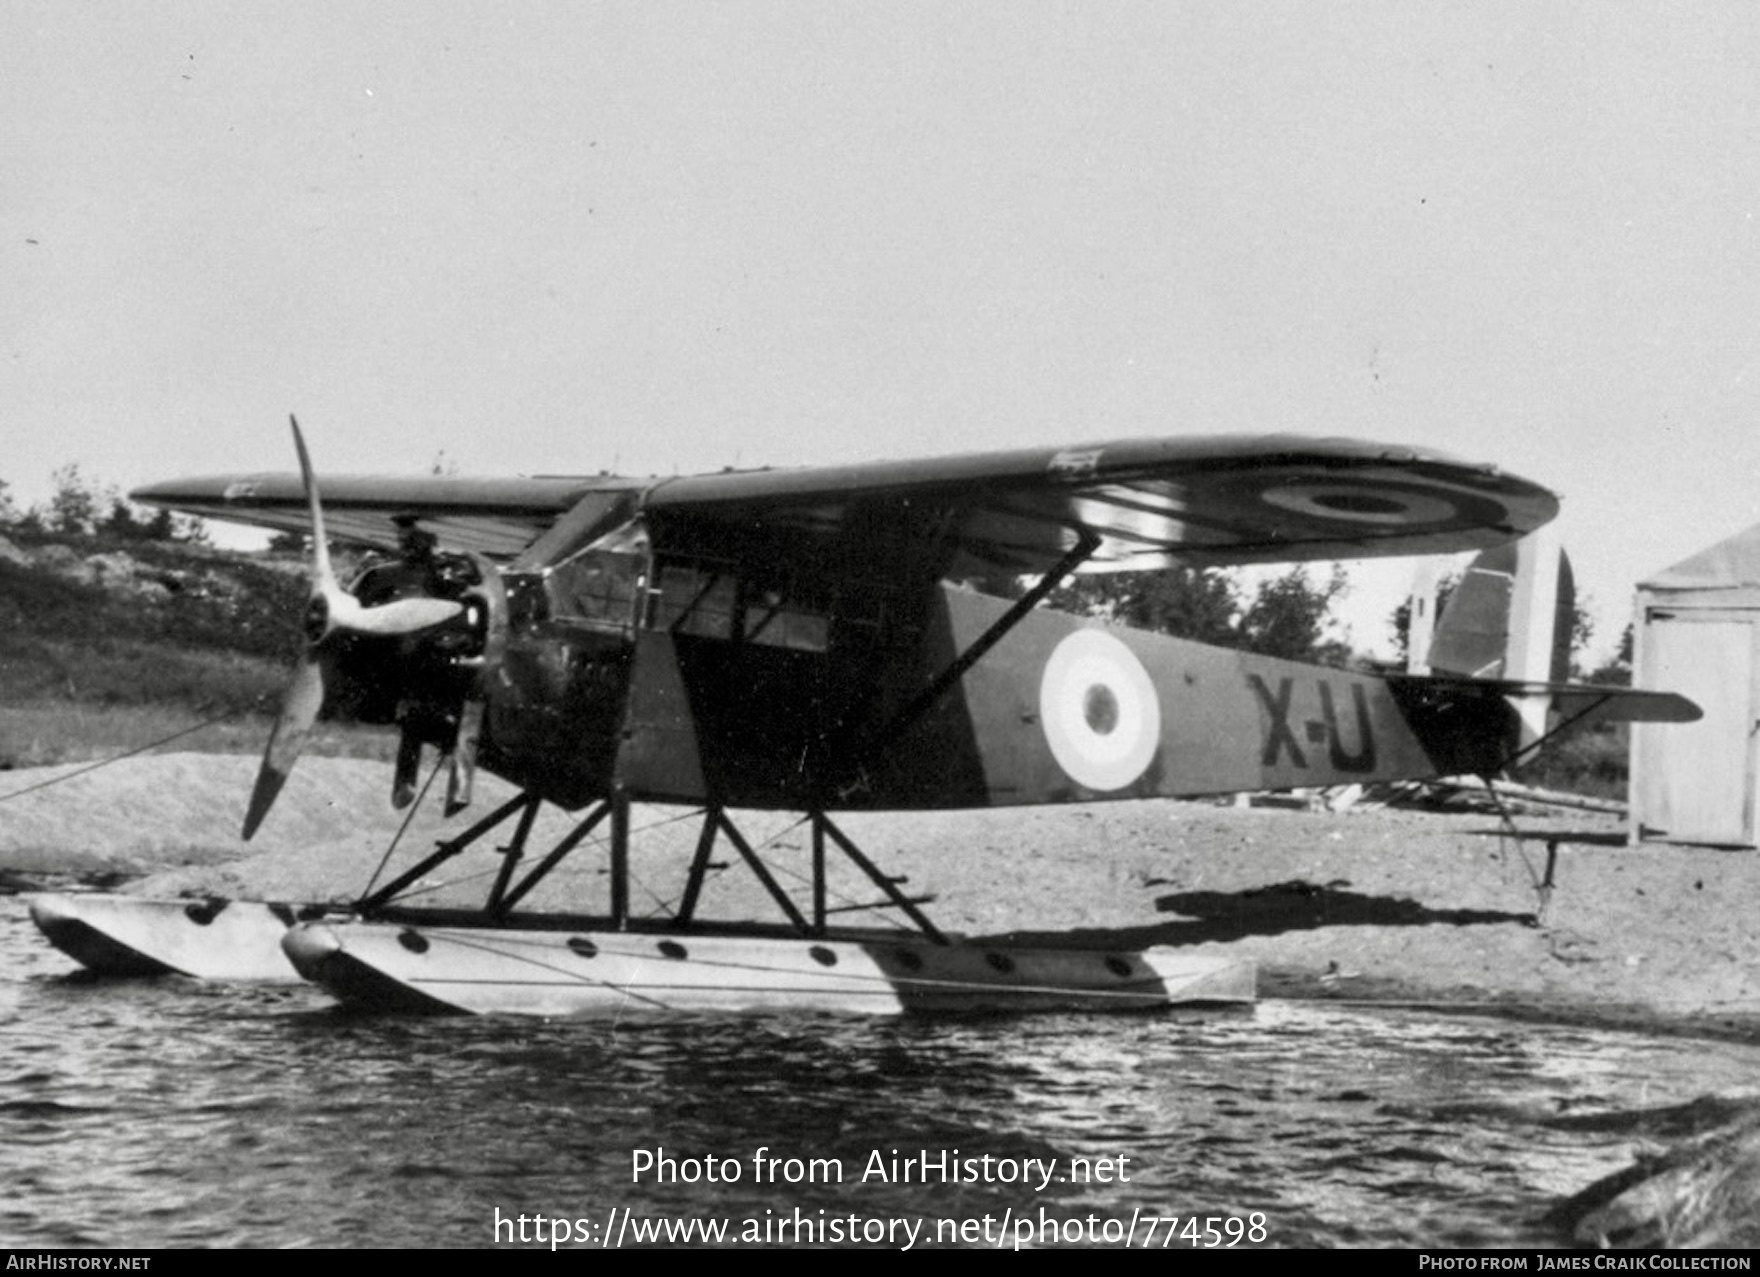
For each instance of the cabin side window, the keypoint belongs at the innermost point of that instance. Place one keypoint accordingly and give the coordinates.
(707, 599)
(771, 617)
(696, 599)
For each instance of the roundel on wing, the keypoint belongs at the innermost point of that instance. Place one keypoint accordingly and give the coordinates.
(1379, 503)
(1099, 712)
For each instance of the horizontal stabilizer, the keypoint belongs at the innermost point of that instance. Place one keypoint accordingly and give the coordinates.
(1578, 702)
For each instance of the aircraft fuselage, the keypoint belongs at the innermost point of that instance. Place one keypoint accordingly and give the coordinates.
(682, 679)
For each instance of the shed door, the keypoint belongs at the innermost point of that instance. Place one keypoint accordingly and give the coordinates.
(1695, 781)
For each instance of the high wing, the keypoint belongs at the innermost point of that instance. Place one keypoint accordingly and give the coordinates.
(1144, 503)
(497, 517)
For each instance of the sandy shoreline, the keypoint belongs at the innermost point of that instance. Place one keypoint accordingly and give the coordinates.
(1377, 905)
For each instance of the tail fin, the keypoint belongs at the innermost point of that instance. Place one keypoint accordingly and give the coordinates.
(1506, 630)
(1475, 637)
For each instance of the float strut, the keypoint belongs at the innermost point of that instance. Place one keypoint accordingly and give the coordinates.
(570, 841)
(776, 892)
(898, 898)
(446, 851)
(511, 856)
(818, 876)
(693, 886)
(620, 860)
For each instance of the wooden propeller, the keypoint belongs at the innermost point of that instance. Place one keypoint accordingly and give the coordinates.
(330, 610)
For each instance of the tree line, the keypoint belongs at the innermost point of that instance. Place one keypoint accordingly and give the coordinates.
(1288, 615)
(81, 506)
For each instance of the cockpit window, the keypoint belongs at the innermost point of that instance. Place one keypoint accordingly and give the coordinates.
(599, 587)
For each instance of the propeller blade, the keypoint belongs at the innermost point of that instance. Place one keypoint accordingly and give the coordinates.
(341, 611)
(332, 609)
(400, 616)
(299, 710)
(323, 578)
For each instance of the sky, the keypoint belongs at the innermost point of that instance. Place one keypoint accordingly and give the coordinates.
(662, 238)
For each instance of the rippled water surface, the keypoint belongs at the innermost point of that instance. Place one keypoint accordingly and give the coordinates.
(171, 1113)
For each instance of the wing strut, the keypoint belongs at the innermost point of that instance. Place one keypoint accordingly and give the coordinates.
(1087, 542)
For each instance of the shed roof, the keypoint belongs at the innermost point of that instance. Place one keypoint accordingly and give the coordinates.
(1730, 564)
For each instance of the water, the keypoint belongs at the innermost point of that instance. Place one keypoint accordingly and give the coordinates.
(171, 1113)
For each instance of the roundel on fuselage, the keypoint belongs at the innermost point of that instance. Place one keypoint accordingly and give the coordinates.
(1099, 711)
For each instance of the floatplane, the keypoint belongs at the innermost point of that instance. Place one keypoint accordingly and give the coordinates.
(807, 640)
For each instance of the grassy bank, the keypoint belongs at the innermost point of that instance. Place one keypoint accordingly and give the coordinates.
(111, 645)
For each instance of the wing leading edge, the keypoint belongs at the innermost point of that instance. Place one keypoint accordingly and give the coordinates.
(1149, 503)
(497, 517)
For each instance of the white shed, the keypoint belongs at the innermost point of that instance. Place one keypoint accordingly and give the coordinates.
(1697, 632)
